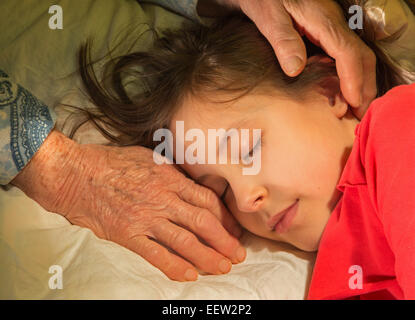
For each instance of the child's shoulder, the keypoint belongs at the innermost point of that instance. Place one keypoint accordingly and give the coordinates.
(389, 123)
(394, 107)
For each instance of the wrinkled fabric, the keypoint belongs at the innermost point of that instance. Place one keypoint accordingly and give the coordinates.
(33, 240)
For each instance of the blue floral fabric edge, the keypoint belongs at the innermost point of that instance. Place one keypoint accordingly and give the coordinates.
(25, 122)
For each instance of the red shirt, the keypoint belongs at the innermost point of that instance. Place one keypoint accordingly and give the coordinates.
(367, 250)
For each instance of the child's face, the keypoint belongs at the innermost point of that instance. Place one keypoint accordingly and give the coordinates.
(304, 149)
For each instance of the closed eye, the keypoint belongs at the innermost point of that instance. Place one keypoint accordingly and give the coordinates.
(222, 197)
(258, 144)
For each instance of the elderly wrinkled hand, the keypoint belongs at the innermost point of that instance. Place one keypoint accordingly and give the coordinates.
(323, 22)
(122, 195)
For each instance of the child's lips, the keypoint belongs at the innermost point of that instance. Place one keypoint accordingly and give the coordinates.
(281, 221)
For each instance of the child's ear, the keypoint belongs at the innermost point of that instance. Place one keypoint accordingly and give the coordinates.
(329, 87)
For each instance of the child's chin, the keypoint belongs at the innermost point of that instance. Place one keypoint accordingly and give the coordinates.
(309, 248)
(307, 245)
(310, 245)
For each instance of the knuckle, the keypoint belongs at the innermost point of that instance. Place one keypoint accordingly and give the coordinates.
(157, 256)
(279, 29)
(284, 35)
(201, 220)
(333, 31)
(183, 239)
(210, 196)
(147, 247)
(188, 184)
(169, 267)
(153, 252)
(203, 194)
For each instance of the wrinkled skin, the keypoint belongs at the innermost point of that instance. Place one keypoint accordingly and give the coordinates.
(283, 22)
(122, 195)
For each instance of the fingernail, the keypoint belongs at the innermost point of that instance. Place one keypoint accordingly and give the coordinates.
(190, 275)
(240, 254)
(292, 65)
(225, 266)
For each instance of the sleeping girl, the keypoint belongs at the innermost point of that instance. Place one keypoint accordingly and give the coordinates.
(328, 182)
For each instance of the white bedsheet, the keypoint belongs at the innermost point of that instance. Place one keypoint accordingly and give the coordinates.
(32, 240)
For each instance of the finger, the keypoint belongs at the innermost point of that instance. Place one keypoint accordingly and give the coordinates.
(355, 63)
(357, 73)
(170, 264)
(202, 197)
(349, 67)
(325, 24)
(276, 25)
(189, 247)
(370, 86)
(207, 227)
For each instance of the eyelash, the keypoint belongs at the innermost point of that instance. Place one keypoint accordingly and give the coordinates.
(251, 152)
(222, 197)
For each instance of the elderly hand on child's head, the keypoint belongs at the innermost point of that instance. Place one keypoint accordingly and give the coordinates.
(323, 22)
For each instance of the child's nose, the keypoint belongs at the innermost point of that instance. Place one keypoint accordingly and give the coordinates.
(253, 200)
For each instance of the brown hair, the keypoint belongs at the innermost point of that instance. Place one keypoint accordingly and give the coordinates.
(230, 56)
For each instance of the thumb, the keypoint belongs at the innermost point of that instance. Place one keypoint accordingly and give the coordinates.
(275, 23)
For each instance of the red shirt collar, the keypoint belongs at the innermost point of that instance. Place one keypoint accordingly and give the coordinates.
(353, 172)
